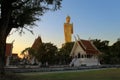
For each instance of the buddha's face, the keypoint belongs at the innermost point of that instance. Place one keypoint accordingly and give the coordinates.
(68, 20)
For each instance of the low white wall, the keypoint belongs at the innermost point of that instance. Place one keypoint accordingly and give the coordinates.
(85, 61)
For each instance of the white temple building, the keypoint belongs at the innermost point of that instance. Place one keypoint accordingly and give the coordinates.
(84, 53)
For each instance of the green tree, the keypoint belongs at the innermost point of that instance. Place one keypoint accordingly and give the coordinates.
(110, 54)
(27, 54)
(20, 14)
(46, 53)
(103, 47)
(115, 53)
(64, 53)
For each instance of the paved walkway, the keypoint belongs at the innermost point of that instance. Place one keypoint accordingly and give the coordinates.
(59, 69)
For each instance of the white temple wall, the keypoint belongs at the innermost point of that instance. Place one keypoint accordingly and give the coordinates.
(86, 62)
(78, 50)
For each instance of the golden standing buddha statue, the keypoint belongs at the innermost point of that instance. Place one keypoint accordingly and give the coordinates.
(68, 30)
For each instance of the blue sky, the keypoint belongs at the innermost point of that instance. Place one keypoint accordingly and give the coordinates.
(95, 19)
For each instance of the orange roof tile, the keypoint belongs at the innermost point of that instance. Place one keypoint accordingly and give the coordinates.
(88, 47)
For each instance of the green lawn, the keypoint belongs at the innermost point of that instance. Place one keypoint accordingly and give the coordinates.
(106, 74)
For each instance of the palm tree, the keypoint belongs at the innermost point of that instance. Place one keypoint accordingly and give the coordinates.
(26, 55)
(25, 52)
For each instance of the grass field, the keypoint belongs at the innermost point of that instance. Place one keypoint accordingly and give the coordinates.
(105, 74)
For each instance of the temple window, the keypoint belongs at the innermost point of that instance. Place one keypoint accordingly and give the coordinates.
(89, 56)
(82, 56)
(78, 55)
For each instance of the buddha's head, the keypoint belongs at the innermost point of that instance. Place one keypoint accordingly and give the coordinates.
(68, 19)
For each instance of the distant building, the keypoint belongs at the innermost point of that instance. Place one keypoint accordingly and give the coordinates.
(8, 54)
(36, 45)
(84, 53)
(14, 59)
(15, 55)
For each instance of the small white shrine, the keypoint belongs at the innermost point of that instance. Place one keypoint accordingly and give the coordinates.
(84, 53)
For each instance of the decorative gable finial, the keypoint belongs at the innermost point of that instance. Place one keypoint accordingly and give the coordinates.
(75, 38)
(78, 37)
(80, 41)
